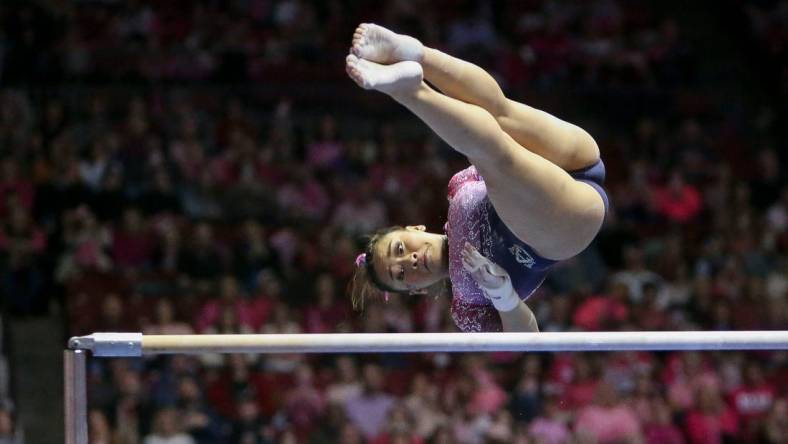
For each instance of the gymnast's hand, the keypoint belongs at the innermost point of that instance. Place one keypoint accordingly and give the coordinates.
(491, 278)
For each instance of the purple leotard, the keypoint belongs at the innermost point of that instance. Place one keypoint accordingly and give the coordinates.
(473, 219)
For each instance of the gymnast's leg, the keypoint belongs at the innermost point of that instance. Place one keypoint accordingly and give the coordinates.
(568, 146)
(538, 201)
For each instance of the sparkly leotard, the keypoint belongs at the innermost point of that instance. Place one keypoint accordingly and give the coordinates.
(472, 218)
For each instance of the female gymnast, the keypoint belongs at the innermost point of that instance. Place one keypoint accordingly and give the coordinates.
(532, 197)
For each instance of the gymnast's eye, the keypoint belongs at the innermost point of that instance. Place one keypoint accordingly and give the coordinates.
(401, 275)
(400, 248)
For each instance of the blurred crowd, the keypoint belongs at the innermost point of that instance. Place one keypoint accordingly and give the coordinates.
(139, 191)
(599, 42)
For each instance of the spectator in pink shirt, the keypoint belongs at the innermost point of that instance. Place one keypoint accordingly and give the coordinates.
(678, 201)
(212, 314)
(487, 396)
(711, 421)
(550, 427)
(326, 151)
(685, 373)
(608, 420)
(601, 312)
(661, 430)
(583, 386)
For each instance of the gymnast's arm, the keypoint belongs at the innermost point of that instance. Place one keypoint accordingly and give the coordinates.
(496, 284)
(521, 318)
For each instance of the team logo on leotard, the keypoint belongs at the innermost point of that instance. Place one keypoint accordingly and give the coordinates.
(522, 256)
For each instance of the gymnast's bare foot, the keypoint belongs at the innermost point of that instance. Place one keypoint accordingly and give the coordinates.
(402, 77)
(378, 44)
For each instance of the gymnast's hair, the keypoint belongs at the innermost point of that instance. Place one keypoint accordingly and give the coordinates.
(366, 283)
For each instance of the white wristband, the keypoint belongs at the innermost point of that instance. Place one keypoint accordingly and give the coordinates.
(504, 298)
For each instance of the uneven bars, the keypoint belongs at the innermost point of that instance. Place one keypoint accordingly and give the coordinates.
(137, 344)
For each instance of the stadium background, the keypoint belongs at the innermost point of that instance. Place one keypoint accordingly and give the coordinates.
(206, 166)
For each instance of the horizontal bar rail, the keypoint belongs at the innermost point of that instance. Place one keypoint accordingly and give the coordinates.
(137, 344)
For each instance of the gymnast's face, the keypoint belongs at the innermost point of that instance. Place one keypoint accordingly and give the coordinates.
(411, 259)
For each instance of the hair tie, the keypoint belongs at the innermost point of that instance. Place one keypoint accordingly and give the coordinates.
(361, 259)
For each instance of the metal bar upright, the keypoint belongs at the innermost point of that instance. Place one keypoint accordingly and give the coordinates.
(75, 396)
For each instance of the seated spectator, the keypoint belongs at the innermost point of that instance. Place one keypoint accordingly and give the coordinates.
(642, 398)
(582, 386)
(228, 313)
(603, 312)
(168, 246)
(677, 200)
(303, 197)
(487, 396)
(397, 316)
(165, 322)
(635, 275)
(132, 243)
(22, 247)
(252, 254)
(370, 409)
(624, 369)
(200, 260)
(423, 402)
(86, 242)
(199, 419)
(711, 421)
(525, 401)
(236, 382)
(753, 400)
(607, 419)
(283, 320)
(250, 426)
(551, 426)
(168, 428)
(92, 168)
(660, 429)
(346, 384)
(358, 212)
(399, 428)
(325, 315)
(685, 374)
(303, 403)
(326, 151)
(160, 198)
(115, 316)
(650, 316)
